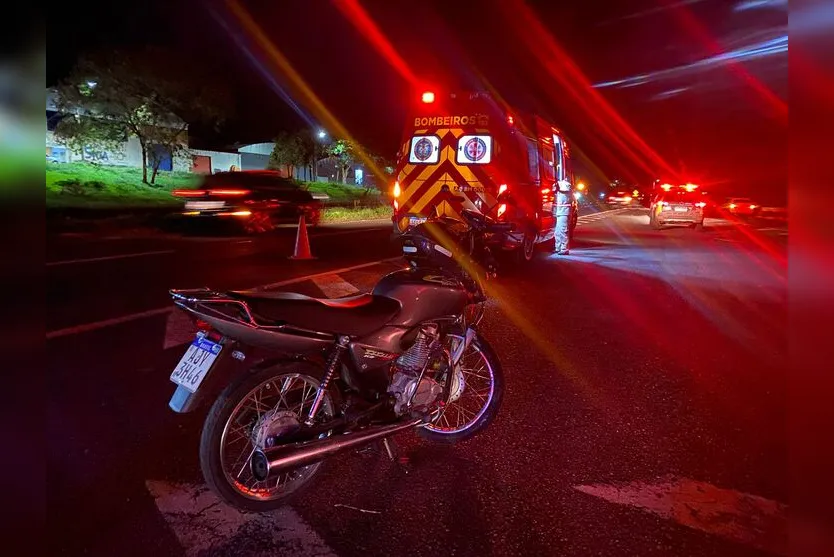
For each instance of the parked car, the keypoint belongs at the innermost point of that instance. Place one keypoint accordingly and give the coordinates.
(253, 200)
(677, 206)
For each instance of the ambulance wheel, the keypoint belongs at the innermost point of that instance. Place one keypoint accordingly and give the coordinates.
(527, 249)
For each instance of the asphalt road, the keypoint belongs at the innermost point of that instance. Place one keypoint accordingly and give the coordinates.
(644, 414)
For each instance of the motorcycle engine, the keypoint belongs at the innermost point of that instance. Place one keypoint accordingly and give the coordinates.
(407, 368)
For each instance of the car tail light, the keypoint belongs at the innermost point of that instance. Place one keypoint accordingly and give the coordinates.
(753, 206)
(189, 193)
(228, 192)
(502, 209)
(732, 205)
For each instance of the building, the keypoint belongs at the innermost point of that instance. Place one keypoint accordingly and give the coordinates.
(128, 153)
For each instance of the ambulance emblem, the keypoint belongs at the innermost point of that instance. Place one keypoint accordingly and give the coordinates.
(422, 149)
(475, 149)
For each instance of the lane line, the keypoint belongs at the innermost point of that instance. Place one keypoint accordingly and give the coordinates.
(203, 524)
(748, 519)
(108, 258)
(87, 327)
(323, 274)
(334, 286)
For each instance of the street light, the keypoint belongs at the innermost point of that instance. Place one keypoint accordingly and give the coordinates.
(322, 134)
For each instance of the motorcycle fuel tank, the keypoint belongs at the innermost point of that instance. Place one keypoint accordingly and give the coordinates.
(423, 295)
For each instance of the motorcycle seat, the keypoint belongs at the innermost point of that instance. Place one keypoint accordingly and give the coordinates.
(353, 316)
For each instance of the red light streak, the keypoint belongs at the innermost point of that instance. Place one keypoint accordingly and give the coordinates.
(366, 26)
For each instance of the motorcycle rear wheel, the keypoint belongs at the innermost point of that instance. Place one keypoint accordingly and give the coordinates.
(231, 434)
(478, 402)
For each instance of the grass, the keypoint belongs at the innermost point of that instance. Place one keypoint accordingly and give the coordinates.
(347, 214)
(342, 193)
(81, 184)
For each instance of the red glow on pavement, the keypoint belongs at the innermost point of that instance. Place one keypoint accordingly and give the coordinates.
(366, 26)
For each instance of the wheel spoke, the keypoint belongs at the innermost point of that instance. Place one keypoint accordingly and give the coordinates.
(287, 393)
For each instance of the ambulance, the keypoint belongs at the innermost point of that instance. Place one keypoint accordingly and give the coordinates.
(466, 151)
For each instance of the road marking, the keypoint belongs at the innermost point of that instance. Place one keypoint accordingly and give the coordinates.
(204, 524)
(325, 273)
(108, 257)
(87, 327)
(334, 286)
(740, 517)
(77, 329)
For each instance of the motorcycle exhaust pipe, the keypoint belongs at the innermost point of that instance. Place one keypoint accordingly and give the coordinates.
(287, 457)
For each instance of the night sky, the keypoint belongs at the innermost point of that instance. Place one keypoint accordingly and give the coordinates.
(717, 123)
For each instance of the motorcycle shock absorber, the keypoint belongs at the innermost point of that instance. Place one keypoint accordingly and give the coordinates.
(329, 372)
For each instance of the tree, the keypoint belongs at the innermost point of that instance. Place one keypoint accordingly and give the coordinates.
(150, 94)
(285, 153)
(345, 153)
(293, 150)
(81, 134)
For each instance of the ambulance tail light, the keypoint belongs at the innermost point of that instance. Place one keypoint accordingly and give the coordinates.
(428, 97)
(396, 191)
(502, 189)
(501, 210)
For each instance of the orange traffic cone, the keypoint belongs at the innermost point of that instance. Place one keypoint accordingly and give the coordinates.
(302, 242)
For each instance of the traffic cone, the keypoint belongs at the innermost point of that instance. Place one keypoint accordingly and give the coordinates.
(302, 242)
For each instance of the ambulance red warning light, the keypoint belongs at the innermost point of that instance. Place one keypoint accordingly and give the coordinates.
(428, 97)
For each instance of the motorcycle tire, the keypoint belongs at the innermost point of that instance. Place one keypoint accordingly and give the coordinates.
(492, 407)
(212, 437)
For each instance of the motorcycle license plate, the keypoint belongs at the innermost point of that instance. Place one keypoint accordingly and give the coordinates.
(414, 221)
(196, 363)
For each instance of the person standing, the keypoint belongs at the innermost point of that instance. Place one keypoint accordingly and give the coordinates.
(561, 212)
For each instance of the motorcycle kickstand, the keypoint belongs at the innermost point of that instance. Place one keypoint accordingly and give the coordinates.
(392, 448)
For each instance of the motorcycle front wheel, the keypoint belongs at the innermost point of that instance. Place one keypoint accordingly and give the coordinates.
(474, 396)
(261, 403)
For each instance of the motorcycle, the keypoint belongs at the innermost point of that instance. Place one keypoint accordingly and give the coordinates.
(296, 380)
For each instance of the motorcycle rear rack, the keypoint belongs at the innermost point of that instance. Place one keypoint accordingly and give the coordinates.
(200, 301)
(188, 301)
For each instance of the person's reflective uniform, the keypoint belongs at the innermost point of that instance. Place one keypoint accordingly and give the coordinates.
(561, 212)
